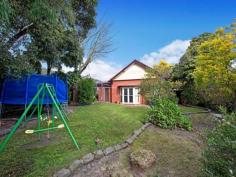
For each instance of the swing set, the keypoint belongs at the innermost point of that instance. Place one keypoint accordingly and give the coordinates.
(45, 92)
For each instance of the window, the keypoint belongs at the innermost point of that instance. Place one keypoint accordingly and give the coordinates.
(130, 95)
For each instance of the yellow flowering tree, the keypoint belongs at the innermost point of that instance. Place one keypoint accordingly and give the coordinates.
(215, 75)
(157, 82)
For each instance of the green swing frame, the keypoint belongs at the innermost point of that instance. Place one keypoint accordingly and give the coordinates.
(48, 90)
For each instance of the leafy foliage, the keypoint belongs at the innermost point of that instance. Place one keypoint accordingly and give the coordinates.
(86, 91)
(214, 75)
(72, 78)
(157, 82)
(184, 70)
(166, 114)
(220, 154)
(15, 67)
(48, 31)
(158, 90)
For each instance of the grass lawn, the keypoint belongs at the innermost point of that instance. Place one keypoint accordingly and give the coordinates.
(188, 109)
(26, 156)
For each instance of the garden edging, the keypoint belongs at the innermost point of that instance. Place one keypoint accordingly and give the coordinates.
(98, 154)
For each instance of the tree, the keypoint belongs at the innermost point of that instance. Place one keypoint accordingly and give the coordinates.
(55, 32)
(184, 70)
(214, 75)
(157, 83)
(158, 89)
(49, 43)
(98, 44)
(86, 89)
(26, 23)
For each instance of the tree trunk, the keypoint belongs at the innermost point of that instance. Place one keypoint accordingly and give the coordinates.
(49, 68)
(75, 94)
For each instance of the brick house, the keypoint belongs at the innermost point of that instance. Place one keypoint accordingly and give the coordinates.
(124, 87)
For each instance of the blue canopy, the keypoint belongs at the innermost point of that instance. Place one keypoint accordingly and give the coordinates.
(22, 91)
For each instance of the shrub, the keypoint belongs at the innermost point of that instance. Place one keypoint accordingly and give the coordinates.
(189, 94)
(220, 153)
(86, 91)
(166, 114)
(185, 123)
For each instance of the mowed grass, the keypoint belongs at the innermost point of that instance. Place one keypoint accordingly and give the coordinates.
(25, 155)
(189, 109)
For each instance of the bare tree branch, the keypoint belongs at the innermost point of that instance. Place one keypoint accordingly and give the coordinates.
(19, 34)
(97, 44)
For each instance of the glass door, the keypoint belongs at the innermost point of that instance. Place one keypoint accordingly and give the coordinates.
(125, 95)
(129, 95)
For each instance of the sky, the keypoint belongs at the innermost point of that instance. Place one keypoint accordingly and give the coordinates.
(150, 30)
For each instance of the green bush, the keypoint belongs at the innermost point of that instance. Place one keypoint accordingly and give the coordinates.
(86, 91)
(165, 113)
(190, 95)
(220, 153)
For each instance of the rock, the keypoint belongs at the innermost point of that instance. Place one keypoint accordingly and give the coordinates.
(75, 165)
(145, 125)
(138, 132)
(131, 139)
(219, 116)
(108, 150)
(103, 168)
(117, 147)
(63, 173)
(121, 173)
(84, 170)
(142, 158)
(98, 154)
(124, 145)
(88, 158)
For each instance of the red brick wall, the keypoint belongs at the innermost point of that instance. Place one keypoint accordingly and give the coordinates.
(100, 94)
(115, 89)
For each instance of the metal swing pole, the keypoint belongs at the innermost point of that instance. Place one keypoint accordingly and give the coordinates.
(62, 117)
(40, 106)
(5, 141)
(30, 116)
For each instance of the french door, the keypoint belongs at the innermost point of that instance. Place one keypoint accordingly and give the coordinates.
(130, 95)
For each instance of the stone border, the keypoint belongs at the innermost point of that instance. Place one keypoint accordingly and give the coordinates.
(98, 154)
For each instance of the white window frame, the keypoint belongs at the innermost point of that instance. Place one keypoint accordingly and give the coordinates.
(136, 95)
